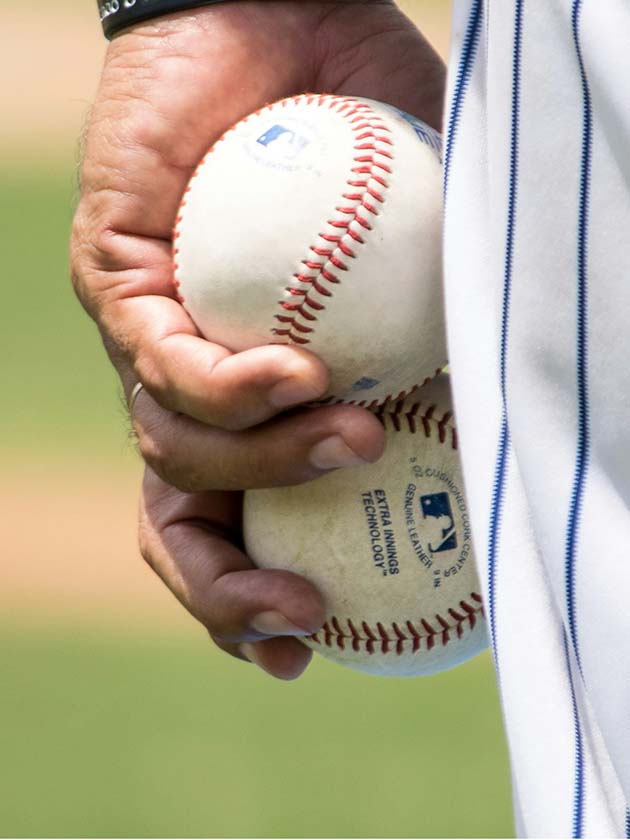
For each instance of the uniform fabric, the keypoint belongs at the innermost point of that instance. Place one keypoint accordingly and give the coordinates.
(537, 266)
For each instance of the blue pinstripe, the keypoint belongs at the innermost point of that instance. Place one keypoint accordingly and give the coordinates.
(575, 812)
(583, 442)
(500, 473)
(578, 797)
(466, 63)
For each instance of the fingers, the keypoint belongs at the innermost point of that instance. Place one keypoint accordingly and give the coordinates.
(251, 604)
(148, 332)
(291, 449)
(190, 541)
(192, 376)
(285, 659)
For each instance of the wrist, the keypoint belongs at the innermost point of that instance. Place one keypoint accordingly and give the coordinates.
(118, 15)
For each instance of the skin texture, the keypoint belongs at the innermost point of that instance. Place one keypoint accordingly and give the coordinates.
(210, 423)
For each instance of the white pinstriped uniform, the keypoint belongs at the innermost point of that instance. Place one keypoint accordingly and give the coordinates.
(537, 254)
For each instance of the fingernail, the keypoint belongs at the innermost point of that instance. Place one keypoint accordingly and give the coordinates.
(291, 391)
(332, 453)
(272, 623)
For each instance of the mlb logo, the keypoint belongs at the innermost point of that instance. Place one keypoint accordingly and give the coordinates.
(283, 142)
(437, 513)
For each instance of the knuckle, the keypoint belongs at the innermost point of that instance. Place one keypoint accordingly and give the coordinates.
(94, 255)
(154, 367)
(203, 612)
(156, 449)
(152, 375)
(160, 447)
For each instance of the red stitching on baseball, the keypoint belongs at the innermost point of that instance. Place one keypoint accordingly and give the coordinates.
(339, 264)
(295, 338)
(328, 275)
(375, 195)
(301, 308)
(320, 289)
(370, 135)
(378, 405)
(371, 208)
(395, 414)
(419, 634)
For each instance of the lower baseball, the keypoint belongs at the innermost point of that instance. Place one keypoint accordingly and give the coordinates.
(388, 545)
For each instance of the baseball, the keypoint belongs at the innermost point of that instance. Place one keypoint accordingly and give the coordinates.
(317, 222)
(388, 546)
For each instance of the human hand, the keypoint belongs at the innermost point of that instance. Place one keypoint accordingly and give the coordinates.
(171, 87)
(193, 542)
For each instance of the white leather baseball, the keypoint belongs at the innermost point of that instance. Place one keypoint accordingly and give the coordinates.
(388, 546)
(317, 222)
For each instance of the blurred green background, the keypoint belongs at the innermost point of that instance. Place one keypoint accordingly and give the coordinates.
(117, 716)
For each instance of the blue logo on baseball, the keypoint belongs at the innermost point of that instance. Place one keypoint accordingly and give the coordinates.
(283, 141)
(437, 506)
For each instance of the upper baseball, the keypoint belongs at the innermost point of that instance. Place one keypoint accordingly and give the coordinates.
(317, 221)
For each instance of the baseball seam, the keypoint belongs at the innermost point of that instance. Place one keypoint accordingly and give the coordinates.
(337, 244)
(378, 405)
(392, 639)
(384, 637)
(401, 414)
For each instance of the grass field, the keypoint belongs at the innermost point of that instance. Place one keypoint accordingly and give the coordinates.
(111, 733)
(58, 386)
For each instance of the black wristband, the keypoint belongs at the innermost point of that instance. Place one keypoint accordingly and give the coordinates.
(116, 14)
